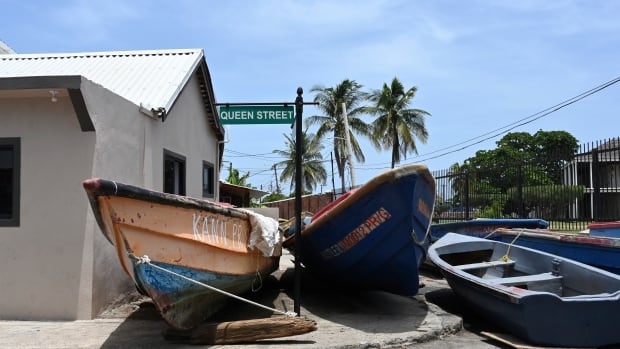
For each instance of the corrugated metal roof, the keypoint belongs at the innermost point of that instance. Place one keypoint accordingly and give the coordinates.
(151, 79)
(4, 48)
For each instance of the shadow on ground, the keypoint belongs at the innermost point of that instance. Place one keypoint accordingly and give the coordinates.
(367, 311)
(144, 327)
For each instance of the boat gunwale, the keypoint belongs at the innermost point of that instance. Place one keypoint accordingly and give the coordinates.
(102, 187)
(548, 234)
(387, 176)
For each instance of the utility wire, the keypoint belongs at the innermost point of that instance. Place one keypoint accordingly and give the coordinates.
(534, 117)
(507, 128)
(529, 119)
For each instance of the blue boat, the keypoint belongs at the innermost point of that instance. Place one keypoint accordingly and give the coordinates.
(604, 229)
(483, 227)
(374, 237)
(542, 298)
(588, 246)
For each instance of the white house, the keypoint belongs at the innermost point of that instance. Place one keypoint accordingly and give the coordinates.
(597, 168)
(146, 118)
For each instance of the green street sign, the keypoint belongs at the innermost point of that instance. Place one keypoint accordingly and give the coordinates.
(256, 114)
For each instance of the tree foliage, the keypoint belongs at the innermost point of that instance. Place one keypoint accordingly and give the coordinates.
(546, 200)
(397, 126)
(331, 123)
(313, 171)
(545, 154)
(531, 162)
(235, 178)
(274, 197)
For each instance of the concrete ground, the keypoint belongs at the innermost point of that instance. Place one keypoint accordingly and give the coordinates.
(431, 319)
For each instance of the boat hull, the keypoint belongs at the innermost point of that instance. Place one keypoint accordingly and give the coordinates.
(604, 229)
(484, 227)
(600, 252)
(377, 236)
(197, 239)
(571, 304)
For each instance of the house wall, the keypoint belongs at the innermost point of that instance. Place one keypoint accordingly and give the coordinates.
(119, 155)
(130, 149)
(57, 265)
(42, 261)
(185, 132)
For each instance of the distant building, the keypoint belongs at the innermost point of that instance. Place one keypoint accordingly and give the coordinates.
(146, 118)
(238, 195)
(598, 170)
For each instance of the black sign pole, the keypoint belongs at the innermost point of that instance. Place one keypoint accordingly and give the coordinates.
(299, 108)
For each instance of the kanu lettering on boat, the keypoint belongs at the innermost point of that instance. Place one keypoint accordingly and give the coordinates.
(214, 230)
(354, 237)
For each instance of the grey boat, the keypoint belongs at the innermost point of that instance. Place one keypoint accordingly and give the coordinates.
(539, 297)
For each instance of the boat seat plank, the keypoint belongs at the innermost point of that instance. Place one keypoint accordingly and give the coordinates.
(482, 265)
(526, 279)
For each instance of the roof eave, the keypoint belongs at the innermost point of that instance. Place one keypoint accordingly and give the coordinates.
(72, 83)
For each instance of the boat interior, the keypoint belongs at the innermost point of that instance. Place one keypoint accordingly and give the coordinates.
(531, 271)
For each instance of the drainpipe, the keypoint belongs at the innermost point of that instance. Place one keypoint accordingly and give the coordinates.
(217, 165)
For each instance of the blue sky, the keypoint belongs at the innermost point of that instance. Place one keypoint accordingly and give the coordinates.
(479, 65)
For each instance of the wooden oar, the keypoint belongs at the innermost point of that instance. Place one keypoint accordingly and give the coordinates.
(242, 331)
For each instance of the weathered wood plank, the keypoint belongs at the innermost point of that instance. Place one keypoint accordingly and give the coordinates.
(243, 331)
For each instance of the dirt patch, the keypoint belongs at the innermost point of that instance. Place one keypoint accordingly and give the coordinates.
(124, 305)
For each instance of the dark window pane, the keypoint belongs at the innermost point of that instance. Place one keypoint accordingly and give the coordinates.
(9, 182)
(174, 173)
(207, 180)
(6, 182)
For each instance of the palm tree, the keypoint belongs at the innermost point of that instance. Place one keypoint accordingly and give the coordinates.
(235, 178)
(313, 172)
(397, 126)
(331, 123)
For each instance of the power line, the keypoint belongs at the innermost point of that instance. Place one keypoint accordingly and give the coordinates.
(241, 154)
(521, 122)
(533, 117)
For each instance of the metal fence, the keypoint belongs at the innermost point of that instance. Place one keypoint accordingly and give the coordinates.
(567, 188)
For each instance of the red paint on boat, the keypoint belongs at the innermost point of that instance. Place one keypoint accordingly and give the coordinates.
(91, 185)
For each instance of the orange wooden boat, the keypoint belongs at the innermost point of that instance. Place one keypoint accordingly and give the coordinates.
(172, 246)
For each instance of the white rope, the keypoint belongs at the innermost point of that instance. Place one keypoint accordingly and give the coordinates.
(506, 257)
(427, 233)
(146, 260)
(489, 235)
(260, 278)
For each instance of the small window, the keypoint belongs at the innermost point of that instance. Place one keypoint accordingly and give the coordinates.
(9, 181)
(208, 180)
(174, 173)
